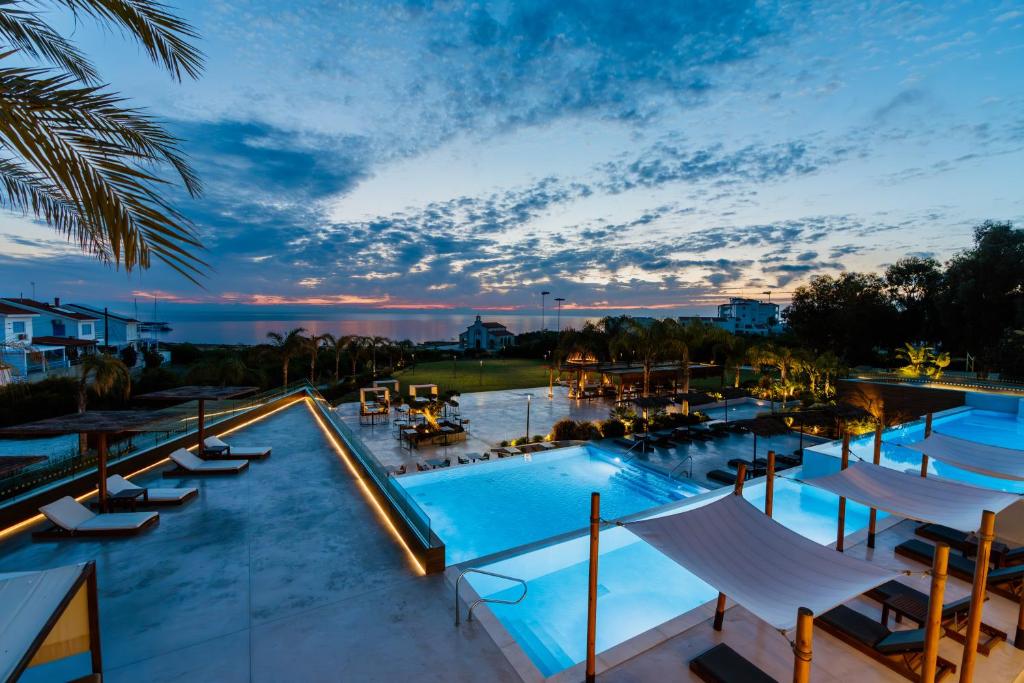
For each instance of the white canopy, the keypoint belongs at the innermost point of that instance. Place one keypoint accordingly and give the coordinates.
(926, 499)
(29, 602)
(769, 569)
(1004, 463)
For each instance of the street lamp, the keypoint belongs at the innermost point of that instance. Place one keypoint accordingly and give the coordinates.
(529, 400)
(481, 372)
(559, 301)
(543, 301)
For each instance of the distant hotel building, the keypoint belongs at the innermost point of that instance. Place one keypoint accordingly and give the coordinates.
(743, 316)
(486, 336)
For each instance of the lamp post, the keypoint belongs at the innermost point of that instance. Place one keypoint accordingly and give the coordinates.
(529, 400)
(543, 301)
(454, 371)
(559, 300)
(481, 372)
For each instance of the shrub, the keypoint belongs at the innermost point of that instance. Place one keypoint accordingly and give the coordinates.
(613, 429)
(564, 430)
(587, 431)
(152, 359)
(129, 356)
(185, 354)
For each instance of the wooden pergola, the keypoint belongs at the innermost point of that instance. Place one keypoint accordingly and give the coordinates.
(98, 423)
(200, 394)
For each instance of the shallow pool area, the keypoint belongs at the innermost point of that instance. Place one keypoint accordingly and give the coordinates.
(492, 506)
(639, 588)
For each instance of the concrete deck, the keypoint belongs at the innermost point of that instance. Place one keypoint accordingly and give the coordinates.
(284, 572)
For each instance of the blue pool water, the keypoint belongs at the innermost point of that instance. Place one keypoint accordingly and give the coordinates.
(741, 410)
(492, 506)
(638, 587)
(981, 426)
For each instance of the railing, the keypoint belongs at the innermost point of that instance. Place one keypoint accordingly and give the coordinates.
(945, 380)
(400, 499)
(67, 462)
(687, 459)
(472, 570)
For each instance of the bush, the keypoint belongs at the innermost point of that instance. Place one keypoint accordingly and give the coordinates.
(129, 356)
(155, 379)
(152, 359)
(587, 431)
(185, 354)
(613, 429)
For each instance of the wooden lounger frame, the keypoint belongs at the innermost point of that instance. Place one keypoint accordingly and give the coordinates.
(228, 455)
(955, 570)
(56, 533)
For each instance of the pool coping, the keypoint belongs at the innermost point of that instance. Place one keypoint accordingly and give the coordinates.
(608, 659)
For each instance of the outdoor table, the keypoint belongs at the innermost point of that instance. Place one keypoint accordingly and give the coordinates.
(200, 394)
(437, 462)
(127, 498)
(903, 605)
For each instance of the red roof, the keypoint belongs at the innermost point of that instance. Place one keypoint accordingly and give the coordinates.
(7, 309)
(63, 341)
(48, 308)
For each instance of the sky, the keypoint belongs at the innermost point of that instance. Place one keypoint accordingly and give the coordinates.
(621, 155)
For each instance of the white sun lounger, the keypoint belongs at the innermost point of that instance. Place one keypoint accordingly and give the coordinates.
(222, 450)
(71, 518)
(166, 496)
(189, 465)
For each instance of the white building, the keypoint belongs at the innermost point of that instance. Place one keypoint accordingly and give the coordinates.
(17, 348)
(55, 328)
(488, 336)
(743, 316)
(122, 330)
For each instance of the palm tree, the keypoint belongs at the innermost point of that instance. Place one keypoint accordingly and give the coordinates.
(74, 155)
(828, 366)
(103, 372)
(313, 343)
(355, 347)
(650, 342)
(734, 350)
(287, 346)
(335, 345)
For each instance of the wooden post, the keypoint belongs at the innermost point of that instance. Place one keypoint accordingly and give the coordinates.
(841, 526)
(985, 535)
(1018, 638)
(741, 475)
(933, 626)
(927, 433)
(595, 533)
(101, 467)
(802, 649)
(202, 425)
(769, 484)
(877, 459)
(93, 599)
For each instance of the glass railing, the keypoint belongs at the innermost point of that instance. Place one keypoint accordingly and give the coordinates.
(417, 519)
(66, 462)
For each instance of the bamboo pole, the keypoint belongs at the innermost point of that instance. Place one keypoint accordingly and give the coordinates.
(802, 649)
(769, 484)
(876, 459)
(1018, 638)
(985, 535)
(741, 475)
(933, 626)
(595, 533)
(841, 526)
(927, 433)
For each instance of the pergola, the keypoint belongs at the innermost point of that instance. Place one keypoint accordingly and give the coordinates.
(98, 423)
(200, 394)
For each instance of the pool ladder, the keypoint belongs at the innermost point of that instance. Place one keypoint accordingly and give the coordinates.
(469, 615)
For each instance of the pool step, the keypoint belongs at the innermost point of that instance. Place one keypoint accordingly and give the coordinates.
(652, 485)
(540, 644)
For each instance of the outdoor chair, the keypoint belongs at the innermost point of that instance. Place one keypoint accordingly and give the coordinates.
(72, 519)
(214, 449)
(188, 465)
(968, 543)
(722, 664)
(1004, 581)
(162, 496)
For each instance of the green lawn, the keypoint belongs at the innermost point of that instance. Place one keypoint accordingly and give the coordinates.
(490, 374)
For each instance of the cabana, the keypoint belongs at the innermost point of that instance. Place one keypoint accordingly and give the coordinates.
(96, 423)
(200, 394)
(423, 393)
(49, 615)
(391, 385)
(374, 404)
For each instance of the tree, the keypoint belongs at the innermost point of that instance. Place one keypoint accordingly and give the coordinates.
(313, 343)
(103, 373)
(287, 346)
(355, 347)
(336, 345)
(74, 155)
(649, 342)
(913, 284)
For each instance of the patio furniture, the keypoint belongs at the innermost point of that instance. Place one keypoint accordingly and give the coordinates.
(1004, 581)
(161, 496)
(966, 543)
(437, 462)
(394, 471)
(722, 664)
(900, 651)
(199, 394)
(188, 465)
(71, 519)
(215, 449)
(126, 499)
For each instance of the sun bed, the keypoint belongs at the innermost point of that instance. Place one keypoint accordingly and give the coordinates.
(914, 605)
(72, 519)
(722, 664)
(1004, 581)
(966, 543)
(722, 476)
(900, 651)
(164, 496)
(189, 465)
(215, 449)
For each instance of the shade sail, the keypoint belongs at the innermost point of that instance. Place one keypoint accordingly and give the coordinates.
(930, 499)
(1004, 463)
(769, 569)
(31, 602)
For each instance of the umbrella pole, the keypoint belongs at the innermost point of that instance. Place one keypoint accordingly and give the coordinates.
(985, 535)
(933, 626)
(841, 530)
(877, 458)
(927, 433)
(101, 466)
(769, 484)
(741, 475)
(802, 649)
(201, 425)
(595, 533)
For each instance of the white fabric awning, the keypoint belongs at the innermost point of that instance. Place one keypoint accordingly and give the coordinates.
(926, 499)
(769, 569)
(1004, 463)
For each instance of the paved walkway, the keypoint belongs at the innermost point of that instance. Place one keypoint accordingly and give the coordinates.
(281, 573)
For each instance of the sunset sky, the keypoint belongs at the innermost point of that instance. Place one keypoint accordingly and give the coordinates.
(425, 155)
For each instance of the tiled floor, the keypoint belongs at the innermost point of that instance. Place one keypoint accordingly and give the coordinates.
(283, 573)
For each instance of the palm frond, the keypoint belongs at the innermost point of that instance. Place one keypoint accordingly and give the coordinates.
(26, 31)
(164, 36)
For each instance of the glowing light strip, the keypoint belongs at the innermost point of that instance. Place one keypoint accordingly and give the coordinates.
(24, 524)
(366, 489)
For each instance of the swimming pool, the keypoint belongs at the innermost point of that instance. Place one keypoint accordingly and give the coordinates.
(639, 588)
(481, 509)
(981, 426)
(740, 409)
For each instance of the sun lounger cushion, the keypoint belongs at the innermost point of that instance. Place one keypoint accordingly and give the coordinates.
(214, 442)
(117, 521)
(899, 642)
(117, 483)
(722, 664)
(190, 462)
(857, 626)
(71, 515)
